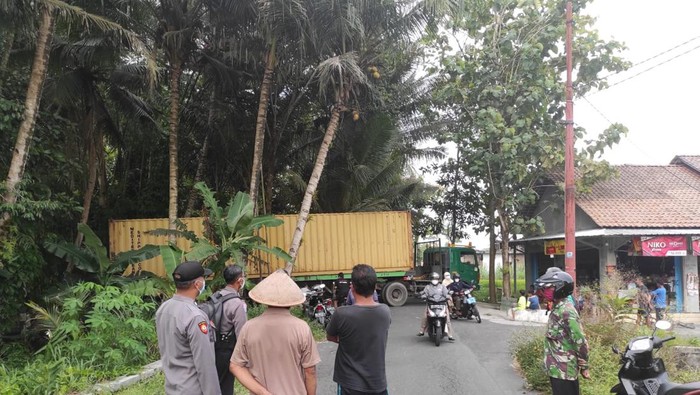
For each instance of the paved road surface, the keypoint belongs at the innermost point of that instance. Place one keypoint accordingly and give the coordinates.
(478, 362)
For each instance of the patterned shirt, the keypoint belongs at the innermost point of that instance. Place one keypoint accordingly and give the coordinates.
(565, 346)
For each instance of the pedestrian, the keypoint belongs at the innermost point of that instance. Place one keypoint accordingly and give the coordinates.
(565, 347)
(276, 352)
(659, 295)
(361, 331)
(341, 287)
(523, 302)
(435, 292)
(533, 300)
(234, 317)
(185, 339)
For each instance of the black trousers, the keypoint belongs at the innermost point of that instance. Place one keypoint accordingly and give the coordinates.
(226, 378)
(564, 387)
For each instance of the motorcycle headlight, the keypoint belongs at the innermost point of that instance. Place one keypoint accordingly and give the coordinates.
(641, 345)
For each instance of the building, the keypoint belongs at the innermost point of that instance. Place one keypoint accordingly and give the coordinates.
(647, 221)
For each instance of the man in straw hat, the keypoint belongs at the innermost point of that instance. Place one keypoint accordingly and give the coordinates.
(276, 352)
(185, 339)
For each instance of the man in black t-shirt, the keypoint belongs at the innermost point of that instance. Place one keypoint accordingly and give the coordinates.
(361, 331)
(342, 287)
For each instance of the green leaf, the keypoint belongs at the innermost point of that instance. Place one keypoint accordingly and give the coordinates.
(276, 251)
(124, 259)
(95, 244)
(82, 259)
(269, 221)
(172, 256)
(201, 250)
(240, 212)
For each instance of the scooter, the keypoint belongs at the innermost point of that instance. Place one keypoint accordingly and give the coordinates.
(642, 374)
(437, 319)
(316, 307)
(469, 308)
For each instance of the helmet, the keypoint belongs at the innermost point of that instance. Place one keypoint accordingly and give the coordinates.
(447, 275)
(560, 280)
(434, 276)
(456, 276)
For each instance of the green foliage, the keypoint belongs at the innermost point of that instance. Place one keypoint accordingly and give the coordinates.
(93, 258)
(231, 233)
(95, 332)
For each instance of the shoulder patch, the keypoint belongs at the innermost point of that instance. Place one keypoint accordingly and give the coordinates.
(203, 327)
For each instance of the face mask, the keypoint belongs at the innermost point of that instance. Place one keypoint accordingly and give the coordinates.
(435, 282)
(204, 286)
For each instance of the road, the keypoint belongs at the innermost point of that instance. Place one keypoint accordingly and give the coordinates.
(477, 362)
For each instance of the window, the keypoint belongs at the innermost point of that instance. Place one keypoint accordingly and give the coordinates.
(467, 258)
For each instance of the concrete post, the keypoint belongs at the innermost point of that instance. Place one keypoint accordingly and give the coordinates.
(691, 299)
(678, 283)
(607, 260)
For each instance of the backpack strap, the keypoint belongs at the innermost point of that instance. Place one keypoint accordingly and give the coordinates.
(224, 299)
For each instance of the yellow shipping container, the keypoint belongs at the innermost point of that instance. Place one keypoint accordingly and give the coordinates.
(332, 243)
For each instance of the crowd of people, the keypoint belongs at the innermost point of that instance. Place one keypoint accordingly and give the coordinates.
(274, 353)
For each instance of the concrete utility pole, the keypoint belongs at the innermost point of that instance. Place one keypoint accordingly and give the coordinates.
(569, 181)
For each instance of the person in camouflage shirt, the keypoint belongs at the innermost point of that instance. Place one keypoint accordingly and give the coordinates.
(565, 347)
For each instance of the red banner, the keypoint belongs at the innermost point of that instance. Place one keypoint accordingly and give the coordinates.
(696, 245)
(664, 246)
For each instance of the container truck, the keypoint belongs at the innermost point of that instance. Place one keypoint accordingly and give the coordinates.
(332, 243)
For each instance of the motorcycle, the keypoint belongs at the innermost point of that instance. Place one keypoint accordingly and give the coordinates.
(469, 308)
(642, 374)
(437, 319)
(316, 306)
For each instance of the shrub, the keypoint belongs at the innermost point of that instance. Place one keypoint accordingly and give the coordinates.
(96, 333)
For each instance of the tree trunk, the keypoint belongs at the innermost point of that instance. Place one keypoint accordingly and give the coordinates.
(492, 255)
(312, 185)
(202, 159)
(172, 146)
(505, 254)
(260, 124)
(6, 49)
(31, 108)
(92, 167)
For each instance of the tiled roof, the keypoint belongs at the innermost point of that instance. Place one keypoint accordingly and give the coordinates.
(646, 197)
(691, 161)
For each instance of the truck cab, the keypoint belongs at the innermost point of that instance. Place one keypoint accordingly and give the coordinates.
(430, 258)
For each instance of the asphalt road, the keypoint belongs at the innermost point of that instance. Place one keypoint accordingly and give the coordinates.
(477, 362)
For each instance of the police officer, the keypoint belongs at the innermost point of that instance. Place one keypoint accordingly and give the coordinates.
(566, 348)
(341, 287)
(185, 339)
(234, 317)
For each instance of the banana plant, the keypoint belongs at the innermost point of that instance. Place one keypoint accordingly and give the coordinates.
(92, 257)
(231, 233)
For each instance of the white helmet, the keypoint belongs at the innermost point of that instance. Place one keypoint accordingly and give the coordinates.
(447, 275)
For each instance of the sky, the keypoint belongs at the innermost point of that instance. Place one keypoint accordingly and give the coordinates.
(658, 106)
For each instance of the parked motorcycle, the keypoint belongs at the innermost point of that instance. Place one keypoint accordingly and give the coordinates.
(642, 374)
(469, 308)
(316, 306)
(437, 319)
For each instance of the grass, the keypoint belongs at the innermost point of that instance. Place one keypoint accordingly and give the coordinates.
(483, 293)
(156, 386)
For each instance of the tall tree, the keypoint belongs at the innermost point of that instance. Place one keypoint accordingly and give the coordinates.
(505, 85)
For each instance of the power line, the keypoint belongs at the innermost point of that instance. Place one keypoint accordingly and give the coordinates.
(645, 70)
(652, 57)
(639, 149)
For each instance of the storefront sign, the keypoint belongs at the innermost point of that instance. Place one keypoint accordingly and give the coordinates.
(696, 245)
(554, 247)
(664, 246)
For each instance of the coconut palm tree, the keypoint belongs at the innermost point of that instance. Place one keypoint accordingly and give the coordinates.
(283, 25)
(48, 11)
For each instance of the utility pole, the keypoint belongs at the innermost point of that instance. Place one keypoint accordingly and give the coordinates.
(569, 181)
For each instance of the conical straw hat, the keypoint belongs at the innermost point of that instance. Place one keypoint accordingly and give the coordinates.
(278, 290)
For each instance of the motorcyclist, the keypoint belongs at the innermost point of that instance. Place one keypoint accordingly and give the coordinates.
(435, 292)
(456, 288)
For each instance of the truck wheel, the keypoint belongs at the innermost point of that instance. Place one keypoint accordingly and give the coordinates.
(395, 294)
